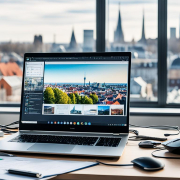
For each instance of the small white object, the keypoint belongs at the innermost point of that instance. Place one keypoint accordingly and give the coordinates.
(1, 133)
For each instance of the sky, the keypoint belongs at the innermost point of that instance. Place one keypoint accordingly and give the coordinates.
(101, 108)
(20, 20)
(74, 73)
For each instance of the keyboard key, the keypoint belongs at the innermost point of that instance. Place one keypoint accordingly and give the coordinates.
(75, 140)
(109, 142)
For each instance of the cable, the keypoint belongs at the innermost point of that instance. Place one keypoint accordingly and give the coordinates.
(114, 164)
(165, 127)
(163, 156)
(7, 130)
(141, 137)
(134, 131)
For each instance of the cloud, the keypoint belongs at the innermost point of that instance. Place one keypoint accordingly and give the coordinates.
(21, 20)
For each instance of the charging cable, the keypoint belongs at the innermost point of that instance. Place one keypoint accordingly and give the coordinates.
(165, 127)
(114, 164)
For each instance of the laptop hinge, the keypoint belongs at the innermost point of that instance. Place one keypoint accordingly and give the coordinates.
(116, 134)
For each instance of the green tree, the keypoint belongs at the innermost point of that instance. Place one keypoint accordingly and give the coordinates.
(69, 100)
(73, 98)
(57, 95)
(49, 96)
(94, 97)
(86, 100)
(78, 98)
(63, 97)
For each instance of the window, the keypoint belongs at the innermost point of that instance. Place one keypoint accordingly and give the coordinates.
(41, 26)
(173, 59)
(138, 26)
(132, 26)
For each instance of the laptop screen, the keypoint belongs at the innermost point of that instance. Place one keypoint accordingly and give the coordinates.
(72, 93)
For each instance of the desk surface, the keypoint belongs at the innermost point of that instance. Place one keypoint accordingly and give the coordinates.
(131, 151)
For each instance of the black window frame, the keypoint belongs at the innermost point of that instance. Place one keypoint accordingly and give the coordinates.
(162, 56)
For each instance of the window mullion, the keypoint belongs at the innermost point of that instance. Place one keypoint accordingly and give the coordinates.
(162, 52)
(100, 25)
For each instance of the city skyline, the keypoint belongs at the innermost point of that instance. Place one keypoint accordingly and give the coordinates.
(74, 73)
(68, 14)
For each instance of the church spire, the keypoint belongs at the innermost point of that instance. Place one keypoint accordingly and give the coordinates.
(118, 33)
(73, 43)
(143, 37)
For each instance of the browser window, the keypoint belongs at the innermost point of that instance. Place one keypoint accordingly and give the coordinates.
(55, 88)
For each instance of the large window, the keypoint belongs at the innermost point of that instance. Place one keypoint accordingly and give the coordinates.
(132, 26)
(40, 26)
(143, 27)
(173, 59)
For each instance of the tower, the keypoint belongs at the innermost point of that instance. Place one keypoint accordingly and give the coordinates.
(88, 41)
(73, 43)
(143, 37)
(38, 40)
(84, 80)
(172, 33)
(73, 46)
(118, 33)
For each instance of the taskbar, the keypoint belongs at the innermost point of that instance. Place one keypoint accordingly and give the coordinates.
(72, 123)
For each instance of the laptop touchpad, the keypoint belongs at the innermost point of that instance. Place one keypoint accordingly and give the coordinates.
(51, 148)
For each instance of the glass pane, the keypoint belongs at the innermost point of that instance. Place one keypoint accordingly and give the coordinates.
(173, 52)
(40, 26)
(132, 26)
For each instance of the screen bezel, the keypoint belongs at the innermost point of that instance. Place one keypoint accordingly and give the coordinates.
(55, 127)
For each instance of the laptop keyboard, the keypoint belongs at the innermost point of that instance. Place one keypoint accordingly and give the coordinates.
(75, 140)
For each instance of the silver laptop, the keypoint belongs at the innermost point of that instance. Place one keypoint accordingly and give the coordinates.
(73, 104)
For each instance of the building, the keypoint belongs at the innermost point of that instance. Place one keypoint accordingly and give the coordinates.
(74, 111)
(88, 44)
(11, 85)
(140, 67)
(73, 46)
(118, 33)
(38, 43)
(48, 110)
(116, 111)
(84, 80)
(10, 69)
(143, 37)
(138, 49)
(174, 74)
(38, 40)
(172, 33)
(141, 90)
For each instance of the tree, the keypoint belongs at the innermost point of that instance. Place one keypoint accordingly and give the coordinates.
(49, 96)
(78, 98)
(73, 98)
(63, 97)
(56, 95)
(86, 100)
(69, 100)
(94, 97)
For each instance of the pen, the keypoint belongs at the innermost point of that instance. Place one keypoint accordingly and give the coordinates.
(24, 173)
(5, 154)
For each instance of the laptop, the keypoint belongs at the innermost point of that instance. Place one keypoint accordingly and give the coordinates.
(73, 104)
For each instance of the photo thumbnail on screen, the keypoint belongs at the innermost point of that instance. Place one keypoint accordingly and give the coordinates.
(85, 89)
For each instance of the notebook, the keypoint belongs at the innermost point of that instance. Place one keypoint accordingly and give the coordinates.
(47, 168)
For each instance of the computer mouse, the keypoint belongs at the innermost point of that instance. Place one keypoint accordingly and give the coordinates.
(148, 163)
(173, 146)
